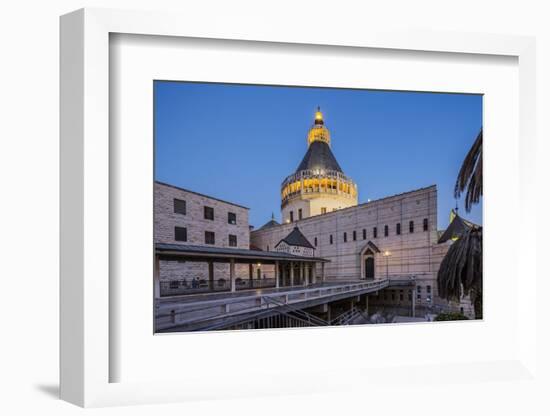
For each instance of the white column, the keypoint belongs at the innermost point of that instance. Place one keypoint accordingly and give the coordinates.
(413, 301)
(157, 277)
(302, 274)
(232, 274)
(291, 273)
(322, 272)
(314, 273)
(276, 274)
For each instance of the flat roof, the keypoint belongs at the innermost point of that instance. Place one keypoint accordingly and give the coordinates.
(182, 250)
(199, 194)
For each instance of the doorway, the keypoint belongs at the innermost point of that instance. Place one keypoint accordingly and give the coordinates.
(369, 267)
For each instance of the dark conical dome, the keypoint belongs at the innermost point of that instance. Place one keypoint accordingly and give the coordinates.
(270, 223)
(319, 157)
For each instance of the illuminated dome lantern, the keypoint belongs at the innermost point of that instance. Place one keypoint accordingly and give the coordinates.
(319, 185)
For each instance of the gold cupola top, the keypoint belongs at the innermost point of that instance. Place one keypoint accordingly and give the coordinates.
(318, 132)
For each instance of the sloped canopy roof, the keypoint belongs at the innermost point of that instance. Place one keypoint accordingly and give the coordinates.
(225, 254)
(319, 157)
(296, 238)
(456, 228)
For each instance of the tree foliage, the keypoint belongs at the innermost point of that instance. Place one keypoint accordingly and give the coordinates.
(460, 272)
(470, 177)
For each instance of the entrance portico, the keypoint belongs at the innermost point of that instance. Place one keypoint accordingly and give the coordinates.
(289, 269)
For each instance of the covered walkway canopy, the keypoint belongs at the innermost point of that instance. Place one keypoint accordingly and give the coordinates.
(290, 270)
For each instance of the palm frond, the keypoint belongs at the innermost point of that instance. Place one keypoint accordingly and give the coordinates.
(470, 177)
(460, 272)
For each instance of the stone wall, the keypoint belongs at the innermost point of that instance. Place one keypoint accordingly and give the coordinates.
(410, 252)
(166, 220)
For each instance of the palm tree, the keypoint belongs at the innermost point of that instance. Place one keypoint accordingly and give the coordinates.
(460, 272)
(471, 174)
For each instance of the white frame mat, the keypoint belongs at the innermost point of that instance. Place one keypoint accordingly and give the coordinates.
(87, 357)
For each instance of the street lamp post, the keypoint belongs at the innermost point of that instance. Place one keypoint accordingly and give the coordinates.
(387, 256)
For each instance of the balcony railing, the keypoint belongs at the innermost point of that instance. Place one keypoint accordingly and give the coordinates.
(242, 284)
(186, 287)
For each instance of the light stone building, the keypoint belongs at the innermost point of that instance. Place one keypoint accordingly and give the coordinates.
(325, 236)
(190, 218)
(394, 237)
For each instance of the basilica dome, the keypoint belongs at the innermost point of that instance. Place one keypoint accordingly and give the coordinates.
(318, 185)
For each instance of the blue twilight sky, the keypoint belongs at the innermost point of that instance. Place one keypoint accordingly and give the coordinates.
(238, 142)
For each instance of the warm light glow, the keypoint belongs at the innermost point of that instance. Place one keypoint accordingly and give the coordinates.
(259, 264)
(386, 253)
(318, 115)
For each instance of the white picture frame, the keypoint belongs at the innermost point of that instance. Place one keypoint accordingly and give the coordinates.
(86, 331)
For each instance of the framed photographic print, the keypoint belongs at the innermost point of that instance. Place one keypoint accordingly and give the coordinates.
(290, 207)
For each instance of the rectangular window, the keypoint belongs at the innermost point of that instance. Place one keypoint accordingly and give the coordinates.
(299, 213)
(180, 206)
(231, 218)
(208, 213)
(345, 237)
(425, 224)
(180, 233)
(411, 227)
(419, 289)
(331, 239)
(428, 289)
(364, 234)
(401, 296)
(386, 231)
(375, 232)
(398, 228)
(354, 235)
(209, 237)
(315, 241)
(323, 210)
(232, 240)
(291, 216)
